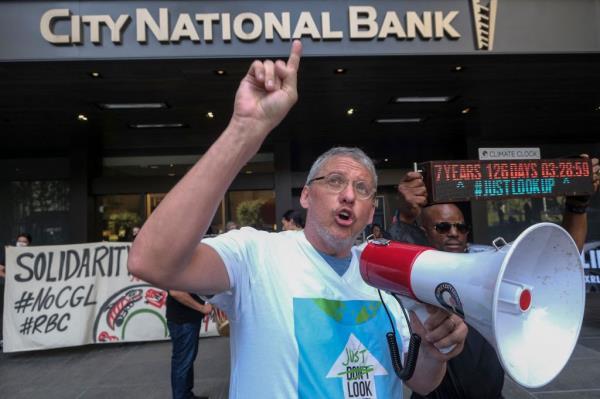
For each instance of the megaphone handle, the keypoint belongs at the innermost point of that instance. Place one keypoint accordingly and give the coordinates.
(421, 312)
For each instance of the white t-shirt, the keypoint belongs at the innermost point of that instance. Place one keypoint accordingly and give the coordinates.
(298, 329)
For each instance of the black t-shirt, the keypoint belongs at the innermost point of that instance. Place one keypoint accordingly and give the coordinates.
(475, 373)
(409, 233)
(179, 313)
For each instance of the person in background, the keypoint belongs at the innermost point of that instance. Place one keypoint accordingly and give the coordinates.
(231, 225)
(378, 232)
(185, 313)
(134, 231)
(476, 372)
(22, 240)
(292, 220)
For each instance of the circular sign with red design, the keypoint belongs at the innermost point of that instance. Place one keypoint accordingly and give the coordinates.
(134, 313)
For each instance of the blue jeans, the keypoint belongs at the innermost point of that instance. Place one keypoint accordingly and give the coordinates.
(185, 348)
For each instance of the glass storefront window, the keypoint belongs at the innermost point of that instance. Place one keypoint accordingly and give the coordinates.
(252, 208)
(120, 213)
(41, 208)
(508, 218)
(152, 201)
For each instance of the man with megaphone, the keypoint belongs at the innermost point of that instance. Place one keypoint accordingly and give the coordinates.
(476, 372)
(303, 323)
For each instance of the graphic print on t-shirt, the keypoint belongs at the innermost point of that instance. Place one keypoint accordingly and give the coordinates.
(343, 352)
(356, 368)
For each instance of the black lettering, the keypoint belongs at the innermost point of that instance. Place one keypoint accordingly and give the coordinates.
(118, 251)
(349, 390)
(362, 390)
(85, 264)
(64, 318)
(49, 299)
(39, 266)
(40, 299)
(56, 323)
(76, 300)
(49, 278)
(85, 261)
(60, 305)
(61, 268)
(71, 254)
(20, 259)
(51, 325)
(88, 301)
(98, 260)
(39, 322)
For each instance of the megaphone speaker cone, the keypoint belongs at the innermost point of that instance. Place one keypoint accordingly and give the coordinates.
(535, 342)
(527, 298)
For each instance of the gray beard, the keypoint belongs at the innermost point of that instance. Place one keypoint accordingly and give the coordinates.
(338, 245)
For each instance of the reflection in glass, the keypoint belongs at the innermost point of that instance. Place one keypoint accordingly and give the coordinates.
(41, 208)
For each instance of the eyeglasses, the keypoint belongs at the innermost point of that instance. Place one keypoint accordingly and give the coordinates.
(337, 183)
(445, 227)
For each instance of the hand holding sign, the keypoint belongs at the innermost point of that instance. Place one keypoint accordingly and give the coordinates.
(413, 196)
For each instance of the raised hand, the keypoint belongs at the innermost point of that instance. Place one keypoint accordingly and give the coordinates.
(268, 91)
(413, 196)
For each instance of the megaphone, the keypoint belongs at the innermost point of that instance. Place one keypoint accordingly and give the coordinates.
(526, 298)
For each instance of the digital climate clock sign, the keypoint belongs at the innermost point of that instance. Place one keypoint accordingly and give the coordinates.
(453, 181)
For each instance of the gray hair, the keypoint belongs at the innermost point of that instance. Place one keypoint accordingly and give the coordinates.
(351, 152)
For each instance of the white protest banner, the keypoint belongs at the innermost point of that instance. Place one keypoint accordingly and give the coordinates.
(69, 295)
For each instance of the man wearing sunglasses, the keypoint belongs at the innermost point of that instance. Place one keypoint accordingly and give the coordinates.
(303, 323)
(445, 227)
(476, 372)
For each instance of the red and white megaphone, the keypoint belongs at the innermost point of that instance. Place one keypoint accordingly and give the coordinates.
(527, 298)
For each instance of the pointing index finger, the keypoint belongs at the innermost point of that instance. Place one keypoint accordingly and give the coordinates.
(295, 54)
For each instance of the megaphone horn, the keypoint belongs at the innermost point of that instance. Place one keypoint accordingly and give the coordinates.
(526, 298)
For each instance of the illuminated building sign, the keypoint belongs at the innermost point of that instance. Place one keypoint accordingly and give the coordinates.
(95, 29)
(174, 27)
(453, 181)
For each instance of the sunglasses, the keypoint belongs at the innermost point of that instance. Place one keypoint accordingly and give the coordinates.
(445, 227)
